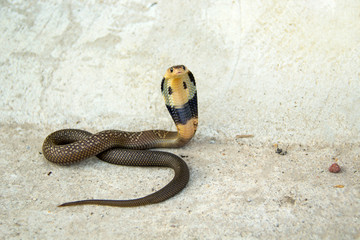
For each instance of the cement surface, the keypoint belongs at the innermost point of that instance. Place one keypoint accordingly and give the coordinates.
(237, 189)
(286, 72)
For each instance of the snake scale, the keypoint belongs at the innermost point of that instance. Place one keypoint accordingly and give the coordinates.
(178, 88)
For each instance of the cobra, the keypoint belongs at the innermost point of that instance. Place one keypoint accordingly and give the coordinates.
(178, 88)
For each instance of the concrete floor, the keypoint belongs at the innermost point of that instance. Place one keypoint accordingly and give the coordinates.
(238, 189)
(286, 72)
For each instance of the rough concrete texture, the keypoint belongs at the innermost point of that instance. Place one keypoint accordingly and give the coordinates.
(286, 72)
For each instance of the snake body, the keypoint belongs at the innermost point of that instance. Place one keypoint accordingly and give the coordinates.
(178, 88)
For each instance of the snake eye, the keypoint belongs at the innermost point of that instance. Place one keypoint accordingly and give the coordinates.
(183, 67)
(171, 69)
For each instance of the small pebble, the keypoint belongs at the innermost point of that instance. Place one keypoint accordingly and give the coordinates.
(280, 151)
(334, 168)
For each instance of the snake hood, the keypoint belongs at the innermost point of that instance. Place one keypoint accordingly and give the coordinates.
(178, 88)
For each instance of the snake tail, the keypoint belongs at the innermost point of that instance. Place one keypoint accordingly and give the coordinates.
(143, 158)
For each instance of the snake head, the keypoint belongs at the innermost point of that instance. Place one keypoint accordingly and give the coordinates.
(176, 71)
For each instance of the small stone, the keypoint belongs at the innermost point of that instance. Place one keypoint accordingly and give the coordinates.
(334, 168)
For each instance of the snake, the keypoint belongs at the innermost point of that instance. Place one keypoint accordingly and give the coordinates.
(68, 146)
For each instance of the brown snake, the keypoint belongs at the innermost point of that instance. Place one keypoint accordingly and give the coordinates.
(68, 146)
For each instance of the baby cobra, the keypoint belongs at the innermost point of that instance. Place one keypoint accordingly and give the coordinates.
(178, 88)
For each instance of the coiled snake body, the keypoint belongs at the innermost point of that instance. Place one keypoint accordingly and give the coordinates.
(178, 87)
